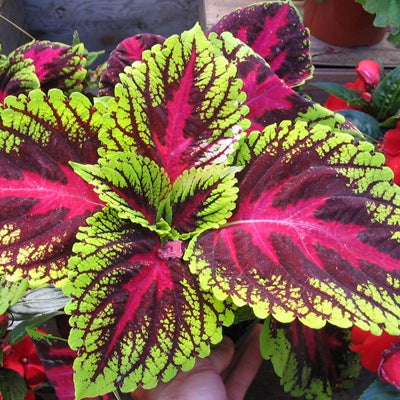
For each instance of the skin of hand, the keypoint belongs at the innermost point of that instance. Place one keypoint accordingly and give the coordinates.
(225, 374)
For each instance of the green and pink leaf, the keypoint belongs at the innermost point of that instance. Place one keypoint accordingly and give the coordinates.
(45, 65)
(140, 191)
(202, 199)
(311, 363)
(315, 234)
(133, 185)
(268, 98)
(43, 202)
(57, 65)
(17, 75)
(181, 106)
(57, 358)
(132, 312)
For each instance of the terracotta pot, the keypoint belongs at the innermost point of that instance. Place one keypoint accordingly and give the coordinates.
(342, 23)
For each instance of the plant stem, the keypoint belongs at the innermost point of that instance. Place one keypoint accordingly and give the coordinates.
(17, 27)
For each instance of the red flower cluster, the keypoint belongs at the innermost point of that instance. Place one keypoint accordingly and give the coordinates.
(391, 149)
(369, 76)
(378, 354)
(22, 358)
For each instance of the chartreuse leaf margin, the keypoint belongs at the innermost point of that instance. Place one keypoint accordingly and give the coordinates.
(203, 184)
(155, 201)
(42, 201)
(315, 233)
(306, 360)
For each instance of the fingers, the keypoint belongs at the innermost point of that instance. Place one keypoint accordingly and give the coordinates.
(204, 380)
(222, 354)
(139, 394)
(201, 382)
(245, 366)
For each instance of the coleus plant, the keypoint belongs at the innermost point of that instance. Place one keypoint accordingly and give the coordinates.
(198, 184)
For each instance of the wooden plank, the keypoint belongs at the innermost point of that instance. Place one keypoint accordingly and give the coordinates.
(10, 36)
(102, 24)
(323, 54)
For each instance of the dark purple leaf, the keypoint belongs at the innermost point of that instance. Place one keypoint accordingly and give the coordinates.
(311, 363)
(126, 52)
(268, 98)
(57, 359)
(274, 31)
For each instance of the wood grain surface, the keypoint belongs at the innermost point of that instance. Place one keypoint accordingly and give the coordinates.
(10, 36)
(102, 24)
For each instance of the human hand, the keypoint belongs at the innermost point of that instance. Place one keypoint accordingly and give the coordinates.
(225, 374)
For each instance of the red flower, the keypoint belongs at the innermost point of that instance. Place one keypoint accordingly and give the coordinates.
(369, 71)
(334, 103)
(23, 359)
(389, 369)
(391, 149)
(371, 347)
(30, 395)
(369, 76)
(4, 320)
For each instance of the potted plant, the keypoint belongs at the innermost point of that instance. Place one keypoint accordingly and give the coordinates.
(197, 189)
(352, 22)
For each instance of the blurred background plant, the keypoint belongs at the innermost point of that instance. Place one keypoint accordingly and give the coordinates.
(387, 13)
(358, 18)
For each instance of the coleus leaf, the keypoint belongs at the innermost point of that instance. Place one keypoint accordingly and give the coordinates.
(274, 30)
(202, 199)
(315, 234)
(17, 75)
(57, 358)
(268, 98)
(45, 65)
(126, 52)
(42, 201)
(132, 184)
(57, 65)
(181, 106)
(199, 199)
(137, 312)
(11, 292)
(311, 363)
